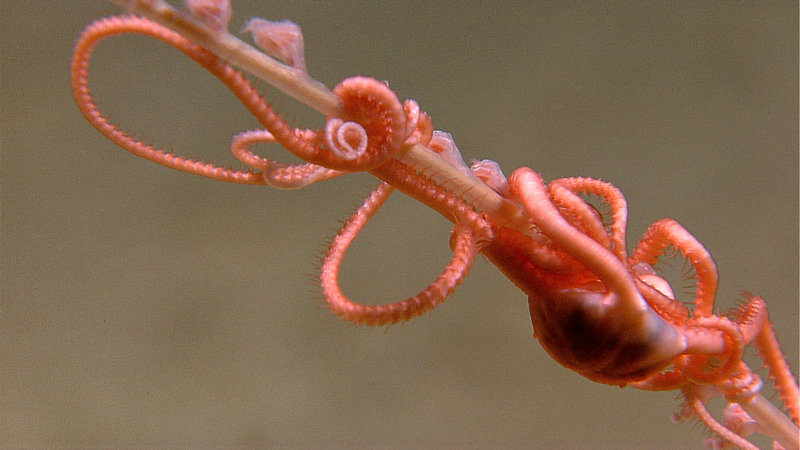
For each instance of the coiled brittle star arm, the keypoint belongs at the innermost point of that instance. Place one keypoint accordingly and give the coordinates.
(467, 240)
(277, 174)
(113, 26)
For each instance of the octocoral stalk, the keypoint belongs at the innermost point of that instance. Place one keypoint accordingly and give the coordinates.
(240, 54)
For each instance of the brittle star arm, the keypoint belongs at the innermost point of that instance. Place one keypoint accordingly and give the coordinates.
(467, 240)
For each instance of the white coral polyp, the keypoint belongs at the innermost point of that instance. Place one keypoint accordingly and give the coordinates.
(347, 140)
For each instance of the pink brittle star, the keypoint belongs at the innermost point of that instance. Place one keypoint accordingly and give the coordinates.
(595, 310)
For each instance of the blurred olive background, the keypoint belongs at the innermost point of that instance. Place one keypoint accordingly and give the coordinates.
(142, 306)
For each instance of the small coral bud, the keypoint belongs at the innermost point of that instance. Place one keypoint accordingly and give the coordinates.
(280, 39)
(646, 273)
(492, 175)
(443, 144)
(215, 14)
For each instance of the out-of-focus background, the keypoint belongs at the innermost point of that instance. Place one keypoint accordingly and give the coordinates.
(142, 306)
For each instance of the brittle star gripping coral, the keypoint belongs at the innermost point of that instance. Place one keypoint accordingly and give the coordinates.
(595, 309)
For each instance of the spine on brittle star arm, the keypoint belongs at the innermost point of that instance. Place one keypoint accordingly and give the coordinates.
(466, 241)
